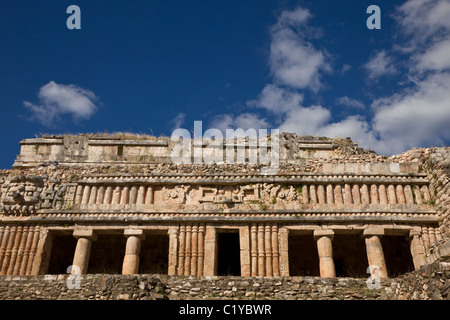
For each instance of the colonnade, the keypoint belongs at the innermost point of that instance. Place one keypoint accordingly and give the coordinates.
(263, 250)
(332, 193)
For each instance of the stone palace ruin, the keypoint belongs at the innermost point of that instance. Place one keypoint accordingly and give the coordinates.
(116, 204)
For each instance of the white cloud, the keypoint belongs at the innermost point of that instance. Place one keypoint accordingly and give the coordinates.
(305, 121)
(346, 68)
(435, 58)
(425, 24)
(423, 19)
(359, 130)
(277, 99)
(380, 64)
(415, 117)
(349, 102)
(59, 99)
(297, 17)
(293, 59)
(243, 121)
(178, 121)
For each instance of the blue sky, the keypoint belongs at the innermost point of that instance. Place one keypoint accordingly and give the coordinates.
(310, 67)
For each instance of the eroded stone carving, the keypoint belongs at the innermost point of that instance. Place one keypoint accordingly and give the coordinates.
(21, 194)
(174, 195)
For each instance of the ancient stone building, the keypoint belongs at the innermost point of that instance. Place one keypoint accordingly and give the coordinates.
(118, 204)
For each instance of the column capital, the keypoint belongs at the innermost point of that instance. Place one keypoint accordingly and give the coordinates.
(85, 233)
(373, 231)
(134, 232)
(414, 232)
(323, 233)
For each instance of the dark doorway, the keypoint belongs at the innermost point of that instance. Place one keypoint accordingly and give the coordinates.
(61, 257)
(107, 254)
(303, 256)
(350, 257)
(228, 254)
(397, 255)
(154, 257)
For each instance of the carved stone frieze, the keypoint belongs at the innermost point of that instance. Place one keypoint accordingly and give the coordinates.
(20, 194)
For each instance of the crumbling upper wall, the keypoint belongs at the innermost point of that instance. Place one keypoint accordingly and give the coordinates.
(93, 149)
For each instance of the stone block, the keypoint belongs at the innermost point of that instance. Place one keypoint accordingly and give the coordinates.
(394, 167)
(373, 231)
(323, 232)
(85, 233)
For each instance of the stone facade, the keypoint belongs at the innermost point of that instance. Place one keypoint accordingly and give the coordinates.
(90, 204)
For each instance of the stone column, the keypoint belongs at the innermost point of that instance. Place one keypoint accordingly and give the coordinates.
(78, 195)
(425, 237)
(8, 250)
(268, 249)
(356, 194)
(149, 195)
(93, 195)
(321, 194)
(347, 194)
(312, 194)
(305, 196)
(416, 249)
(86, 192)
(254, 250)
(125, 196)
(42, 254)
(261, 253)
(284, 254)
(181, 250)
(431, 235)
(392, 198)
(408, 194)
(425, 193)
(382, 194)
(108, 195)
(375, 254)
(275, 255)
(141, 195)
(26, 253)
(116, 195)
(4, 244)
(438, 234)
(194, 259)
(417, 195)
(400, 194)
(100, 195)
(338, 194)
(374, 194)
(325, 249)
(210, 251)
(188, 251)
(201, 249)
(83, 249)
(33, 251)
(330, 196)
(132, 250)
(365, 197)
(173, 250)
(244, 248)
(133, 194)
(15, 250)
(21, 251)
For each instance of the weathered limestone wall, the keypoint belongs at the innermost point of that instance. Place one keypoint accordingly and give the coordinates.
(97, 149)
(436, 163)
(145, 287)
(431, 282)
(124, 189)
